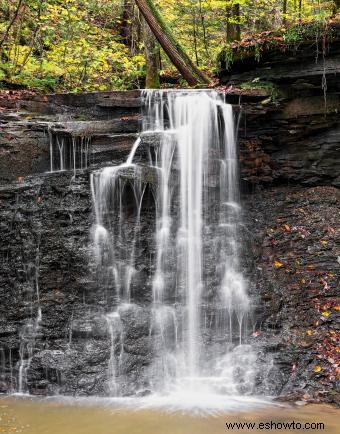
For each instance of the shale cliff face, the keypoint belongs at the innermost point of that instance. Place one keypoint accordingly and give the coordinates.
(46, 244)
(290, 158)
(109, 119)
(289, 153)
(296, 137)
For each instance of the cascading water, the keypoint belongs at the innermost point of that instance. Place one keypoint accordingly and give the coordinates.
(29, 331)
(68, 152)
(199, 304)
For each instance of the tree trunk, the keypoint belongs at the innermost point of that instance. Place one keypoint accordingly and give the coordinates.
(125, 27)
(152, 57)
(169, 44)
(11, 23)
(284, 12)
(203, 28)
(233, 29)
(195, 38)
(336, 7)
(300, 11)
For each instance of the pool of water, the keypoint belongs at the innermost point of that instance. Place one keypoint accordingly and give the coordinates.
(50, 416)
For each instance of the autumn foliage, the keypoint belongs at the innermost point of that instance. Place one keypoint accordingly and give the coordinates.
(77, 45)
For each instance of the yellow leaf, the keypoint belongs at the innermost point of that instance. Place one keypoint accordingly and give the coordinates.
(287, 228)
(317, 368)
(309, 332)
(303, 281)
(278, 264)
(325, 313)
(324, 242)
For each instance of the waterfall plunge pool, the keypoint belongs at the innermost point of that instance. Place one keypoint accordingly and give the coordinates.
(103, 416)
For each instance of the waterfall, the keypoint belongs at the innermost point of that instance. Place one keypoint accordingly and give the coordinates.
(30, 329)
(198, 302)
(67, 152)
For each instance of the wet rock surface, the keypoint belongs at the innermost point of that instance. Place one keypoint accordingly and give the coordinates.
(109, 120)
(47, 264)
(296, 141)
(295, 274)
(290, 125)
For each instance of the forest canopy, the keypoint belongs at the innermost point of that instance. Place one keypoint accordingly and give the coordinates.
(84, 45)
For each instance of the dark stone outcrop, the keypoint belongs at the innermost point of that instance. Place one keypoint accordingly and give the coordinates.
(290, 161)
(291, 131)
(109, 119)
(295, 141)
(46, 255)
(47, 262)
(298, 64)
(294, 272)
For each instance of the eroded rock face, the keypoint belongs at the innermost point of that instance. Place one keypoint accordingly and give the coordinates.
(46, 244)
(294, 138)
(295, 274)
(109, 119)
(47, 263)
(289, 167)
(45, 230)
(296, 141)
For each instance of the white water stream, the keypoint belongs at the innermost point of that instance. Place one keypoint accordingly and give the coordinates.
(199, 297)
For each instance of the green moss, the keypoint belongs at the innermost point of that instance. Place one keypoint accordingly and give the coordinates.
(267, 86)
(152, 80)
(289, 38)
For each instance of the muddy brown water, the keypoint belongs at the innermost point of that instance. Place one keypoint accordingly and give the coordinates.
(57, 417)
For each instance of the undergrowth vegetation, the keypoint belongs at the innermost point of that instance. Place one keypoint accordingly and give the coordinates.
(80, 45)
